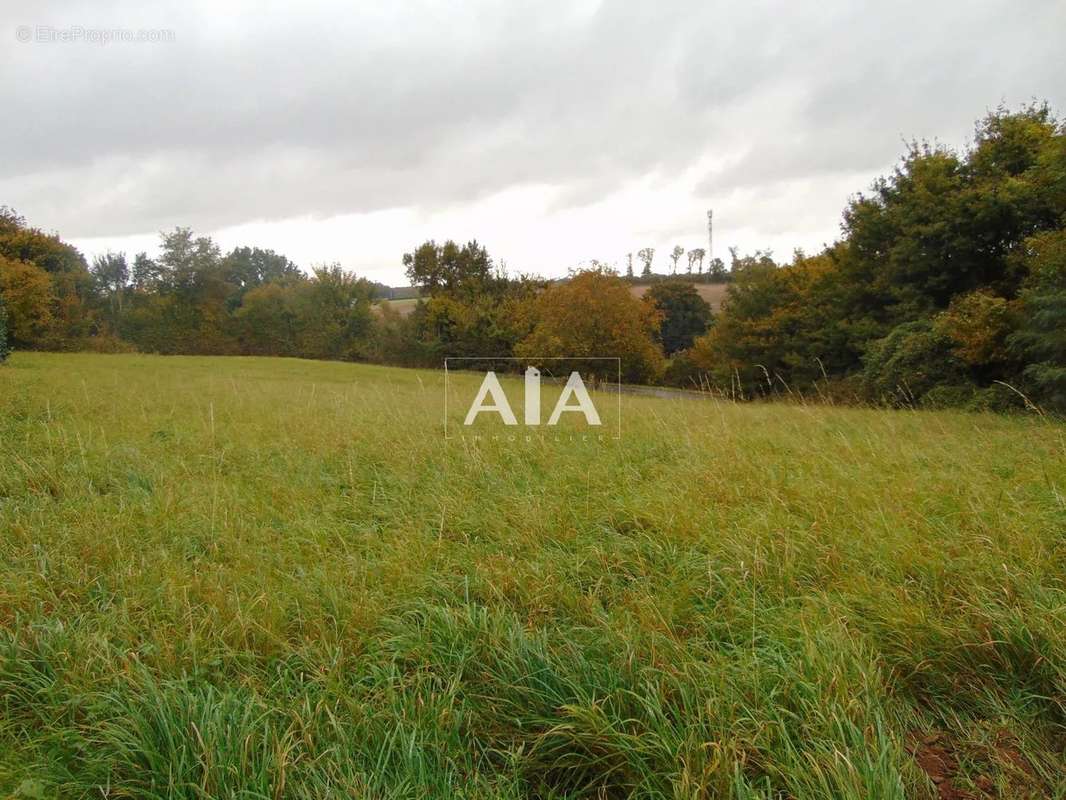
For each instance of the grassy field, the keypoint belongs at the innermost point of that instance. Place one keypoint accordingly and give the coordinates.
(244, 578)
(404, 306)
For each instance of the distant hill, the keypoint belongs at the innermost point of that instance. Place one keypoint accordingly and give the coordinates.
(405, 298)
(383, 292)
(713, 293)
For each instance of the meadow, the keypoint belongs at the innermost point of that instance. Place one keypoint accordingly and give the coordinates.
(272, 578)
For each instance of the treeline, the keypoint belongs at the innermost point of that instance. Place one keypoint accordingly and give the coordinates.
(193, 299)
(190, 299)
(948, 287)
(716, 269)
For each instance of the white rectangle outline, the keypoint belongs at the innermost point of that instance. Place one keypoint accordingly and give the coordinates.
(616, 359)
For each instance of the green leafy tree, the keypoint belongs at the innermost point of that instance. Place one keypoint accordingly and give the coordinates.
(948, 223)
(268, 321)
(482, 325)
(146, 274)
(249, 267)
(197, 296)
(696, 256)
(716, 271)
(394, 339)
(646, 256)
(685, 315)
(1041, 338)
(333, 314)
(450, 269)
(945, 242)
(675, 256)
(111, 275)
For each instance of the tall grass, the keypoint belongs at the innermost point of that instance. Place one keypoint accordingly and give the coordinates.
(244, 578)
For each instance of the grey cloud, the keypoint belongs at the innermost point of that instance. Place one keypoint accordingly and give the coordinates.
(266, 115)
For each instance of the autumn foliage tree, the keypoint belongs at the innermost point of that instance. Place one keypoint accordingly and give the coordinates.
(46, 285)
(594, 316)
(777, 325)
(27, 292)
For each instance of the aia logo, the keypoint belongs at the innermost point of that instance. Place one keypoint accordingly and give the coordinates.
(575, 387)
(540, 399)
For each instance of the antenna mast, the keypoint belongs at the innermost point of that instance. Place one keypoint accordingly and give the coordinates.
(710, 235)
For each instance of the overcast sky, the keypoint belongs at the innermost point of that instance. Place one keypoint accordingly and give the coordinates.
(553, 132)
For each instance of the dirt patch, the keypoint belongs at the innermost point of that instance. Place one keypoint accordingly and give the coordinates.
(934, 754)
(937, 757)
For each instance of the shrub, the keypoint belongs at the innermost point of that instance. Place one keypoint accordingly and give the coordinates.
(945, 396)
(683, 372)
(996, 397)
(908, 363)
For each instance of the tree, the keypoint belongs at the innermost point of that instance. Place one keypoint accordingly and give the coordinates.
(147, 274)
(326, 316)
(716, 271)
(777, 321)
(449, 269)
(480, 325)
(27, 293)
(249, 267)
(199, 295)
(185, 259)
(629, 265)
(333, 313)
(70, 318)
(696, 256)
(946, 223)
(594, 315)
(268, 321)
(111, 276)
(646, 255)
(394, 339)
(675, 255)
(1041, 338)
(685, 315)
